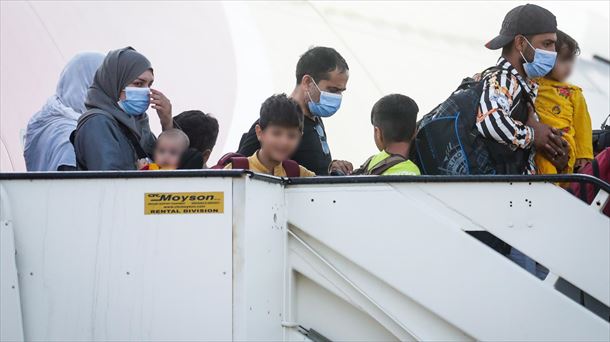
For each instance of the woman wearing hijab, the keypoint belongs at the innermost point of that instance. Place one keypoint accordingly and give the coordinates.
(47, 144)
(114, 132)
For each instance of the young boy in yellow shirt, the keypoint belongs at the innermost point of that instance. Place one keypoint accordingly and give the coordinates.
(394, 118)
(279, 132)
(562, 105)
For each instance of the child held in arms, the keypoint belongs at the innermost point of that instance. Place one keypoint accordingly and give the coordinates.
(169, 149)
(562, 105)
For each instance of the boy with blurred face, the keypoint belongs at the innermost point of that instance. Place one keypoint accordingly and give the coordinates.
(279, 130)
(562, 105)
(321, 79)
(506, 116)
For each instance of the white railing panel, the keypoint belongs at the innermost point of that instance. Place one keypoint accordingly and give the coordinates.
(543, 221)
(11, 326)
(92, 266)
(412, 246)
(259, 230)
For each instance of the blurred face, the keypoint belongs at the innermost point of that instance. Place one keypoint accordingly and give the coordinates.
(544, 41)
(563, 66)
(336, 84)
(145, 80)
(279, 143)
(168, 152)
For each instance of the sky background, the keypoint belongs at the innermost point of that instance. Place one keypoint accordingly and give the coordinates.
(227, 57)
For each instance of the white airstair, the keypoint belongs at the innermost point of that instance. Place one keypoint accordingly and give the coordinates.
(231, 255)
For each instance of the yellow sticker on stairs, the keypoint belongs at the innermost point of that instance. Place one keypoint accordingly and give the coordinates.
(159, 203)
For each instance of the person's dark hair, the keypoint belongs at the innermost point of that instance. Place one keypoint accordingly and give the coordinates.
(279, 110)
(318, 62)
(396, 116)
(201, 128)
(191, 159)
(566, 45)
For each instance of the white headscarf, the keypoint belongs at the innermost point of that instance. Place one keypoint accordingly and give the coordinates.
(47, 140)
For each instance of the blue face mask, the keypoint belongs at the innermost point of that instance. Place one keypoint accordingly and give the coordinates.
(329, 103)
(543, 62)
(136, 101)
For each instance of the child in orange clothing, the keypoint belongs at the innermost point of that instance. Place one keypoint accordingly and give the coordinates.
(562, 105)
(169, 148)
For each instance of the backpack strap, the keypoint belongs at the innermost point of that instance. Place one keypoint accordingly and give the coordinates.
(595, 169)
(240, 162)
(362, 170)
(386, 164)
(225, 160)
(595, 165)
(582, 187)
(131, 137)
(133, 141)
(292, 168)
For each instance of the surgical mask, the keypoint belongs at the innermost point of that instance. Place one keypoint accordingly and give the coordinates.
(136, 101)
(329, 103)
(543, 62)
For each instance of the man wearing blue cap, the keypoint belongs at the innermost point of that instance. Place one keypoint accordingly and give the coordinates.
(506, 115)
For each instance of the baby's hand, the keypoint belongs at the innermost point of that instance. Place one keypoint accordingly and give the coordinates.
(141, 163)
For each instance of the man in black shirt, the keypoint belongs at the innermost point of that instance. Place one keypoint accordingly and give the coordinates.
(321, 78)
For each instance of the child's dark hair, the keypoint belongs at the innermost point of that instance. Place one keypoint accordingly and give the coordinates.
(566, 45)
(201, 128)
(395, 115)
(279, 110)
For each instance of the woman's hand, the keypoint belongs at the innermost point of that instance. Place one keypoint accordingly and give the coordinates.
(163, 107)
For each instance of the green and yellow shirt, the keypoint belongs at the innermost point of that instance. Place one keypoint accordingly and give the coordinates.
(405, 168)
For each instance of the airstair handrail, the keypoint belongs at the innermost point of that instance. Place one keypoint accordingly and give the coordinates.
(576, 178)
(122, 174)
(572, 178)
